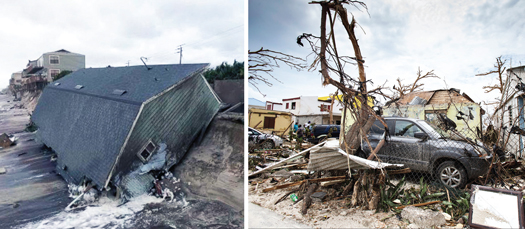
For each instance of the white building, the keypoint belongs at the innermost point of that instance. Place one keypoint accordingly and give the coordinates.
(313, 109)
(273, 106)
(513, 113)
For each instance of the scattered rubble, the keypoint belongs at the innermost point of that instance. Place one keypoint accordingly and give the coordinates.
(423, 218)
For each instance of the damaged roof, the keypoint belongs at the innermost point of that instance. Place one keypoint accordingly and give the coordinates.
(87, 124)
(139, 83)
(434, 97)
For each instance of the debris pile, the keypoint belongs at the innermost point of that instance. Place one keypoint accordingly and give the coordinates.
(327, 188)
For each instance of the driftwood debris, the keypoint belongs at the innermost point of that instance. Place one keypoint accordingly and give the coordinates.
(308, 198)
(291, 158)
(419, 205)
(316, 180)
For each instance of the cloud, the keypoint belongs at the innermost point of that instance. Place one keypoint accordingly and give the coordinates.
(455, 39)
(115, 32)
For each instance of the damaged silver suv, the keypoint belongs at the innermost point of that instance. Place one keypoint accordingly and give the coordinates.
(424, 147)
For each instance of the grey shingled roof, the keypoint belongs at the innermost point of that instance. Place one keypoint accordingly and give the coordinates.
(139, 83)
(88, 127)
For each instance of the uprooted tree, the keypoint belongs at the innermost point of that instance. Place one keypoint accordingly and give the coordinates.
(354, 90)
(356, 96)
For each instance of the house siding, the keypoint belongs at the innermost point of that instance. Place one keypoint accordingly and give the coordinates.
(174, 118)
(67, 61)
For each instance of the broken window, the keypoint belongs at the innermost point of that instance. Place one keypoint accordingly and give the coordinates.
(406, 129)
(269, 122)
(432, 116)
(145, 153)
(293, 105)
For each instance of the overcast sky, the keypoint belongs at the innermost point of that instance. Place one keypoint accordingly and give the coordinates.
(115, 32)
(456, 39)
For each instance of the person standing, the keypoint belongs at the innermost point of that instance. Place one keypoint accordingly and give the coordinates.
(300, 132)
(295, 127)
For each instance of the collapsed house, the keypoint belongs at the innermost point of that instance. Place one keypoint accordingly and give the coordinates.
(428, 105)
(106, 123)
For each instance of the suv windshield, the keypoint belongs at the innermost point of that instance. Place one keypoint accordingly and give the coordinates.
(430, 126)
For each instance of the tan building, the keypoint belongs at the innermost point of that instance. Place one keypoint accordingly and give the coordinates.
(270, 121)
(427, 105)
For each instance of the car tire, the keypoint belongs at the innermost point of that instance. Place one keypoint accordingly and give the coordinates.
(267, 144)
(452, 174)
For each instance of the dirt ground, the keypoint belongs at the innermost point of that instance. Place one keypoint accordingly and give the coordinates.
(327, 214)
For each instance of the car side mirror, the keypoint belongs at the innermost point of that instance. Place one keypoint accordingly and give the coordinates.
(421, 135)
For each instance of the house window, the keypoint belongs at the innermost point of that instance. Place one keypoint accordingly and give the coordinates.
(287, 105)
(293, 105)
(268, 107)
(325, 107)
(53, 60)
(145, 153)
(54, 72)
(269, 123)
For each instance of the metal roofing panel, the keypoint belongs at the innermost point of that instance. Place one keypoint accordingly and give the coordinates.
(330, 157)
(139, 83)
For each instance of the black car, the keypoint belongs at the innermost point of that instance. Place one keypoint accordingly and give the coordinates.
(424, 147)
(321, 132)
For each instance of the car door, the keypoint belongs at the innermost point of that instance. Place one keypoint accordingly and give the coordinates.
(406, 149)
(374, 137)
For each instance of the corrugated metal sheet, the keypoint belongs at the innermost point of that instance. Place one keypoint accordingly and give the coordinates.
(175, 118)
(331, 157)
(86, 132)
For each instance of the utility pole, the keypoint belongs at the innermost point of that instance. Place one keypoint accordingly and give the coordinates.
(128, 63)
(180, 51)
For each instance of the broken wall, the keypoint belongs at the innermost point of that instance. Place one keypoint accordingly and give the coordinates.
(175, 118)
(466, 123)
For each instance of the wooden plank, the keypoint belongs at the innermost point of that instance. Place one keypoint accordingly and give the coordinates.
(301, 182)
(400, 171)
(421, 204)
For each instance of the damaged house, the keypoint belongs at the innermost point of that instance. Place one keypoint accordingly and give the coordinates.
(105, 124)
(427, 105)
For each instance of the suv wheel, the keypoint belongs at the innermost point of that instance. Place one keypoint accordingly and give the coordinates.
(267, 144)
(452, 174)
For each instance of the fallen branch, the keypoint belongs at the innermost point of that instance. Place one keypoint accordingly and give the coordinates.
(421, 204)
(308, 198)
(284, 196)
